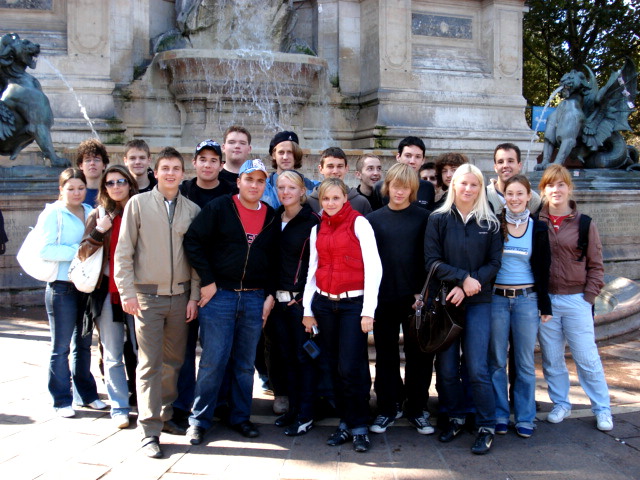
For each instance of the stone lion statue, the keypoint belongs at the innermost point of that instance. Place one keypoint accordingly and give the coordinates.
(586, 125)
(25, 112)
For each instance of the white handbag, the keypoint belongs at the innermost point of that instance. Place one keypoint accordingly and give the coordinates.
(85, 273)
(29, 254)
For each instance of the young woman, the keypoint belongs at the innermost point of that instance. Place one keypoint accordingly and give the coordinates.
(340, 298)
(520, 292)
(284, 326)
(399, 228)
(575, 280)
(102, 228)
(65, 304)
(465, 235)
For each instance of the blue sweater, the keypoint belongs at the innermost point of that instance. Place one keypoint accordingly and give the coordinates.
(71, 232)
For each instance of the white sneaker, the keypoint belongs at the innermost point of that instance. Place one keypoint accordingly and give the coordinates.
(97, 405)
(604, 421)
(120, 420)
(558, 414)
(65, 412)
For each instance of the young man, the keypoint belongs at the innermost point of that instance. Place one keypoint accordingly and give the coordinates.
(236, 146)
(333, 164)
(506, 163)
(201, 189)
(286, 154)
(369, 171)
(411, 152)
(92, 159)
(206, 185)
(158, 286)
(137, 159)
(232, 245)
(428, 173)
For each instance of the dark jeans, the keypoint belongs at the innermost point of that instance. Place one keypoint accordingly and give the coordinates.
(475, 345)
(344, 344)
(65, 308)
(418, 367)
(272, 352)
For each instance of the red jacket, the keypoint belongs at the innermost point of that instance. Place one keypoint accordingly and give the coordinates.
(340, 265)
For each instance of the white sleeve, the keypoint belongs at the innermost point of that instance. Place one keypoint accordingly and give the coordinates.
(310, 286)
(372, 265)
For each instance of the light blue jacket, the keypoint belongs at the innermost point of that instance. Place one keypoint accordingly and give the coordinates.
(270, 194)
(71, 232)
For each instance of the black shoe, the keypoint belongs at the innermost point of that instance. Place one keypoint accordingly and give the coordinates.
(339, 437)
(151, 447)
(195, 434)
(173, 428)
(247, 429)
(285, 419)
(361, 442)
(483, 442)
(452, 431)
(299, 427)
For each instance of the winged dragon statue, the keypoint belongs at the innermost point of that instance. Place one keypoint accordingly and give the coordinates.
(586, 125)
(25, 112)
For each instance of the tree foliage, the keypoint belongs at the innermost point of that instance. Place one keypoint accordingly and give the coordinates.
(562, 35)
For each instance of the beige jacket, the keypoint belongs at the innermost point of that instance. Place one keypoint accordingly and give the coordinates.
(149, 255)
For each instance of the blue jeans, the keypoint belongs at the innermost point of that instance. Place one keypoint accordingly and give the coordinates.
(343, 345)
(230, 327)
(65, 308)
(187, 377)
(112, 337)
(572, 323)
(475, 344)
(520, 316)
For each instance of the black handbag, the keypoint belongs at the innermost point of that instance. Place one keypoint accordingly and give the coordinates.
(436, 324)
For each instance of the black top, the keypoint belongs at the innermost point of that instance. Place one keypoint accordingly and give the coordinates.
(466, 249)
(201, 196)
(293, 242)
(374, 200)
(228, 176)
(426, 194)
(400, 239)
(152, 182)
(216, 246)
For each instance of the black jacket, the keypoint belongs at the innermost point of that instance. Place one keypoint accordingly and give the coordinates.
(293, 243)
(465, 249)
(217, 247)
(541, 265)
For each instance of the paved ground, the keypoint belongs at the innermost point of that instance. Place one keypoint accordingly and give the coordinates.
(34, 443)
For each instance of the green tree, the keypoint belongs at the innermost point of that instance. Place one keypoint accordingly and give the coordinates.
(562, 35)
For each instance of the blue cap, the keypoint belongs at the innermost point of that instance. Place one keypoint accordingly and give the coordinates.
(254, 165)
(215, 146)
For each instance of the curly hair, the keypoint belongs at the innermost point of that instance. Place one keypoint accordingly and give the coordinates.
(91, 146)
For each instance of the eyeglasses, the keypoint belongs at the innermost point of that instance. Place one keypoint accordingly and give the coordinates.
(113, 183)
(92, 160)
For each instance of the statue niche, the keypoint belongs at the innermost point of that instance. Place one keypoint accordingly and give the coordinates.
(586, 125)
(25, 112)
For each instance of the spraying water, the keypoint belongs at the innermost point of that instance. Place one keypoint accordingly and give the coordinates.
(83, 110)
(534, 137)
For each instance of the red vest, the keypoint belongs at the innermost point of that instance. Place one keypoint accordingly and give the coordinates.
(340, 265)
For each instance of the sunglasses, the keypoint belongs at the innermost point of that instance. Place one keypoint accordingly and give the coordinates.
(430, 178)
(113, 183)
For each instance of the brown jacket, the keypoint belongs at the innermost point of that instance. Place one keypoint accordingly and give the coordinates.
(568, 275)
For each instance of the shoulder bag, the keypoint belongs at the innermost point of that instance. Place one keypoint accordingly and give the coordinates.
(436, 324)
(85, 273)
(29, 254)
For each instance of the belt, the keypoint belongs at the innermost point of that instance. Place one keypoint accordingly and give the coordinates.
(513, 292)
(246, 289)
(343, 295)
(285, 295)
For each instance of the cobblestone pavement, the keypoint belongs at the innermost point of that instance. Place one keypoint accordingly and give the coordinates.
(34, 443)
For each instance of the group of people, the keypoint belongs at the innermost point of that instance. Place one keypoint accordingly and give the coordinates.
(236, 255)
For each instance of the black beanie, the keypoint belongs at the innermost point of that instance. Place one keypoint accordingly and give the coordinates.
(282, 137)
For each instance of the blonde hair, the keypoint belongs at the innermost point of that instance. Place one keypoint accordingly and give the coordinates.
(404, 176)
(553, 173)
(482, 211)
(297, 179)
(330, 183)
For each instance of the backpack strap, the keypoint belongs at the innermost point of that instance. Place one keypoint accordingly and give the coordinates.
(583, 235)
